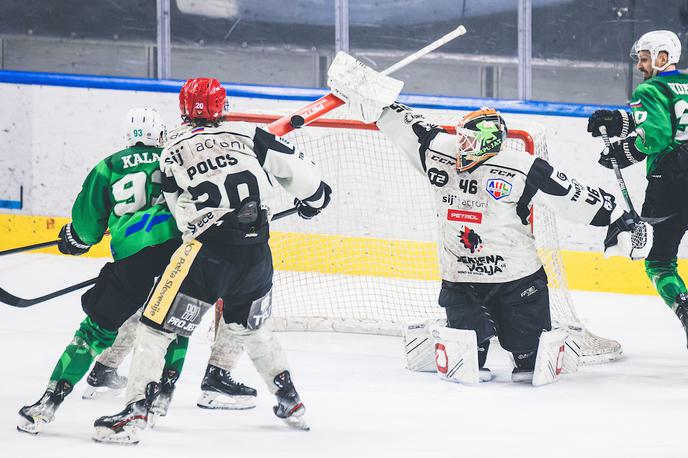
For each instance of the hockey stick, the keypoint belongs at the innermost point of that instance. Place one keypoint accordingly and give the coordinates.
(29, 247)
(15, 301)
(619, 177)
(325, 104)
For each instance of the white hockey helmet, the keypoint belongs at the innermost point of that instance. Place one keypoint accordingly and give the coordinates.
(145, 126)
(655, 42)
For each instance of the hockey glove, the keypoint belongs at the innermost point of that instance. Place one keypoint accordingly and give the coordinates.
(618, 123)
(628, 237)
(70, 243)
(625, 153)
(311, 206)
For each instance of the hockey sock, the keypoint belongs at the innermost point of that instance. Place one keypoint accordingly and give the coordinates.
(176, 354)
(664, 275)
(89, 341)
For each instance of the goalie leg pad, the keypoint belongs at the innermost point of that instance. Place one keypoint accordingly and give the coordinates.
(549, 362)
(456, 354)
(419, 346)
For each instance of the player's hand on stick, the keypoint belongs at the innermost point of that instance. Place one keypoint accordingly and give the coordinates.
(617, 122)
(365, 91)
(311, 206)
(628, 237)
(624, 151)
(70, 243)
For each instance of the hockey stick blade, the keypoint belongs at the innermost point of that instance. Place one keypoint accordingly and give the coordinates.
(16, 301)
(29, 247)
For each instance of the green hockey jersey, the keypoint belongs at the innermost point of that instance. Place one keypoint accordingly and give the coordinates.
(660, 110)
(123, 193)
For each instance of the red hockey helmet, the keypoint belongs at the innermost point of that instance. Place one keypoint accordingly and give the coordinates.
(202, 99)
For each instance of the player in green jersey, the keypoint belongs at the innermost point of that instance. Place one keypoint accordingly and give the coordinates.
(659, 118)
(121, 193)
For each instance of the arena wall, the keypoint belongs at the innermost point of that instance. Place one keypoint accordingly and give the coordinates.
(53, 130)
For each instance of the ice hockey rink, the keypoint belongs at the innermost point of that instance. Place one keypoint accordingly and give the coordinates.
(360, 399)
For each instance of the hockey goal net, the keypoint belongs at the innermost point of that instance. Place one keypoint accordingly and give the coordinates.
(369, 263)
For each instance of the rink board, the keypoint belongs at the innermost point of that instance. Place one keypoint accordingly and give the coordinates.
(586, 271)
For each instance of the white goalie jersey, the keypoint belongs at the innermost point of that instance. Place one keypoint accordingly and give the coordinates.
(210, 171)
(484, 212)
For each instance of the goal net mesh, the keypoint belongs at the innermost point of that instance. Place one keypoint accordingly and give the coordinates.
(369, 263)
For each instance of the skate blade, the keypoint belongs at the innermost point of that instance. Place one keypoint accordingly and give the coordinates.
(485, 376)
(29, 427)
(297, 423)
(212, 400)
(522, 377)
(101, 392)
(128, 436)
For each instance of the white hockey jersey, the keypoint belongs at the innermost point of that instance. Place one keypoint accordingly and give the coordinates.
(210, 171)
(483, 212)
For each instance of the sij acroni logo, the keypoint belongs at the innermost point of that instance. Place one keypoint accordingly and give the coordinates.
(498, 188)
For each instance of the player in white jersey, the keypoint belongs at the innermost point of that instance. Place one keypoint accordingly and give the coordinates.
(493, 283)
(218, 182)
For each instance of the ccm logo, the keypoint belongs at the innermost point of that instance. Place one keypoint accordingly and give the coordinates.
(464, 216)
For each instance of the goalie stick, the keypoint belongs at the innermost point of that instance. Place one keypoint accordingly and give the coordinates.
(16, 301)
(329, 102)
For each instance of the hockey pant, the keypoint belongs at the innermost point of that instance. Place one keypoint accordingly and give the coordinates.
(516, 312)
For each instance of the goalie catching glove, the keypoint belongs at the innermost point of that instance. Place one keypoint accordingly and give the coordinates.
(628, 237)
(365, 91)
(70, 243)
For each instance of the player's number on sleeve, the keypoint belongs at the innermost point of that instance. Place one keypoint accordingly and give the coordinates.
(130, 192)
(238, 186)
(680, 110)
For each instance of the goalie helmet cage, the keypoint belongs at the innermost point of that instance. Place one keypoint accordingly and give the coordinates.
(370, 264)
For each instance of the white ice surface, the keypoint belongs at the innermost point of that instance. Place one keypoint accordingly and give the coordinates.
(361, 401)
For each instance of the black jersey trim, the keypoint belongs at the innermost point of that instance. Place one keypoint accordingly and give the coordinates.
(538, 178)
(206, 133)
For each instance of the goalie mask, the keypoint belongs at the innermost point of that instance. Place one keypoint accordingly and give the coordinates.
(479, 136)
(655, 42)
(144, 126)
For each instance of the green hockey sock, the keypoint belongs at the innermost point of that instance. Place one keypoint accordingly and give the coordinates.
(664, 275)
(176, 353)
(89, 341)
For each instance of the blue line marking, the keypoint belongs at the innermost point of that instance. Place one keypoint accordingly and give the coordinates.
(533, 107)
(11, 204)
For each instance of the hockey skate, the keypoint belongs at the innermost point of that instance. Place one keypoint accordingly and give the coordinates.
(124, 427)
(104, 381)
(289, 406)
(33, 418)
(525, 367)
(162, 401)
(220, 391)
(681, 311)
